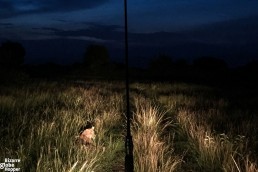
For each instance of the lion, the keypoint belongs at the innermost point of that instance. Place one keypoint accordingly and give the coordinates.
(87, 134)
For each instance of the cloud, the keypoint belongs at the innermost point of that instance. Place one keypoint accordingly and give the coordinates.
(6, 24)
(98, 31)
(6, 8)
(115, 34)
(61, 20)
(51, 29)
(18, 7)
(68, 5)
(233, 32)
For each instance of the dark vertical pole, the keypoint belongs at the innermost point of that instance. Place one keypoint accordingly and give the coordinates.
(128, 141)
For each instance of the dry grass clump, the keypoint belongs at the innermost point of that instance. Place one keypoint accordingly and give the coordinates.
(215, 152)
(151, 152)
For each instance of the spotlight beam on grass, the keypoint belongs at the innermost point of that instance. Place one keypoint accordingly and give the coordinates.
(128, 140)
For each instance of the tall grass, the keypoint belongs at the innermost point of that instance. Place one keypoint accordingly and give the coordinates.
(151, 152)
(175, 127)
(40, 124)
(216, 152)
(200, 117)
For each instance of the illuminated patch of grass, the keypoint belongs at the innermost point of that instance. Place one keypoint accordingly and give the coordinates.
(175, 127)
(40, 126)
(150, 151)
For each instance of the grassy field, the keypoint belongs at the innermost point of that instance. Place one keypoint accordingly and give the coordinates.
(175, 127)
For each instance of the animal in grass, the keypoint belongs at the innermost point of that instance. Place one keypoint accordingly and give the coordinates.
(87, 134)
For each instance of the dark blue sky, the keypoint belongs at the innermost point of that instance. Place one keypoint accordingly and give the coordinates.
(59, 30)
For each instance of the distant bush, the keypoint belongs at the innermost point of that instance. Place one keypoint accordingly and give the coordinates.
(11, 54)
(210, 63)
(161, 67)
(161, 63)
(96, 56)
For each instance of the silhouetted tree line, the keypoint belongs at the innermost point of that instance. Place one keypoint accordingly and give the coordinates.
(11, 54)
(11, 57)
(203, 69)
(96, 56)
(96, 61)
(165, 63)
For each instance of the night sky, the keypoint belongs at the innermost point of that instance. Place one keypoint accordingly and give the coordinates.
(59, 30)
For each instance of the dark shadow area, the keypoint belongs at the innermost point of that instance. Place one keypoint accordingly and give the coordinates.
(11, 58)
